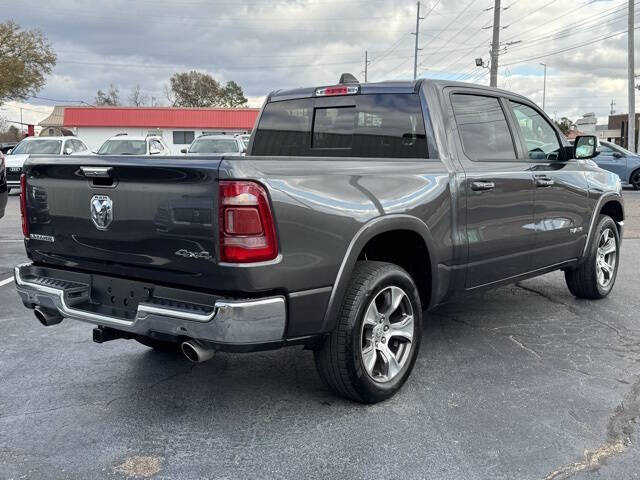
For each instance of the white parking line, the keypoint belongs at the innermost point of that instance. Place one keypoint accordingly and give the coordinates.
(5, 282)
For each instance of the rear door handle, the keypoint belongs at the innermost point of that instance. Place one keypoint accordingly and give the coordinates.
(482, 186)
(544, 181)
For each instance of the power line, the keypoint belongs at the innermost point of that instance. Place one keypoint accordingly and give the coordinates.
(23, 108)
(524, 60)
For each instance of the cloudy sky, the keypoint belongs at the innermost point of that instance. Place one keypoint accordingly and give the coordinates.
(264, 45)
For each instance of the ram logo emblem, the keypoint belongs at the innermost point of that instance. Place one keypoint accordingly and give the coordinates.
(101, 211)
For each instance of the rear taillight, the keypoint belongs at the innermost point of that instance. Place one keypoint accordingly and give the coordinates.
(247, 230)
(23, 205)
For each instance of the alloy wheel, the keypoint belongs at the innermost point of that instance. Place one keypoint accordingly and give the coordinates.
(606, 258)
(387, 334)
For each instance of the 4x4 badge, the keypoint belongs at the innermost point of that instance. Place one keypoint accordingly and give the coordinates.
(101, 211)
(197, 255)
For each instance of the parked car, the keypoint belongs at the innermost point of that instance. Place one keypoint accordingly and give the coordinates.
(620, 161)
(39, 146)
(4, 189)
(245, 137)
(357, 208)
(216, 145)
(123, 144)
(5, 147)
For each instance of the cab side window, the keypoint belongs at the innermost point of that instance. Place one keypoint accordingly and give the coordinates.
(483, 128)
(540, 137)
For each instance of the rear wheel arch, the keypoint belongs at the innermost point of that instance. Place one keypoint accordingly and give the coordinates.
(375, 239)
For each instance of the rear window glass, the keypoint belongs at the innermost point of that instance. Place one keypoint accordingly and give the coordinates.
(123, 147)
(384, 125)
(483, 127)
(211, 145)
(38, 146)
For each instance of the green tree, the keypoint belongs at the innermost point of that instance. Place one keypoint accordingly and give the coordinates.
(233, 96)
(196, 89)
(110, 99)
(564, 125)
(26, 58)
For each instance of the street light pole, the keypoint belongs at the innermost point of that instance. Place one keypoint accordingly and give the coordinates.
(631, 125)
(544, 85)
(495, 45)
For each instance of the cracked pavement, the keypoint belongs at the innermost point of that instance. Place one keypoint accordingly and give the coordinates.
(522, 382)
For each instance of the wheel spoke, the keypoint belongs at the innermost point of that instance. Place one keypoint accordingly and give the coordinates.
(393, 299)
(369, 356)
(403, 329)
(390, 361)
(372, 314)
(606, 268)
(608, 247)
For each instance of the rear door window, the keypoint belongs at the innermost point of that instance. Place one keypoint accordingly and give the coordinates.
(381, 125)
(483, 128)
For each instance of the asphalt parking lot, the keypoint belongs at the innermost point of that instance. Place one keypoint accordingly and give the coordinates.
(524, 382)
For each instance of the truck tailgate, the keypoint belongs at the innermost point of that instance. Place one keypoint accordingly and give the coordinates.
(145, 215)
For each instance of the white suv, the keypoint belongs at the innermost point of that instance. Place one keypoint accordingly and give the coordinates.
(39, 146)
(123, 144)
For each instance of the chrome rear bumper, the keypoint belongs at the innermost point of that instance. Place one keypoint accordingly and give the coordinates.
(225, 321)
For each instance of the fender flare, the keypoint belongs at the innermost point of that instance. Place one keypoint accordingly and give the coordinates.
(369, 230)
(604, 199)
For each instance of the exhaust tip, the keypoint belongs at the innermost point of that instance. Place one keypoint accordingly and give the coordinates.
(196, 352)
(190, 352)
(47, 318)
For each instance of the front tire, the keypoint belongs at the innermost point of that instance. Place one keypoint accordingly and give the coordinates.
(635, 180)
(372, 350)
(595, 277)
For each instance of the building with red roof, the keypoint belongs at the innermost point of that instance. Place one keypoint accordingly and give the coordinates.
(177, 126)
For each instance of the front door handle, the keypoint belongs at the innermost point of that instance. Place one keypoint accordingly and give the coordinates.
(544, 181)
(482, 186)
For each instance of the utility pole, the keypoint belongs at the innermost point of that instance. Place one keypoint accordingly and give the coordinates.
(613, 107)
(495, 44)
(415, 53)
(544, 85)
(21, 124)
(366, 65)
(631, 126)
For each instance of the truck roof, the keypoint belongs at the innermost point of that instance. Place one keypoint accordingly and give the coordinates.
(404, 86)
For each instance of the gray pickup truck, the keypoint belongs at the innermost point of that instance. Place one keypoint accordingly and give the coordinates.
(357, 208)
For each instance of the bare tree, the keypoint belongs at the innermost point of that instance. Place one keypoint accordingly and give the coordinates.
(168, 93)
(138, 98)
(111, 98)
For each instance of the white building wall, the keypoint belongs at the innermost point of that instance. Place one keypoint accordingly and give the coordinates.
(94, 137)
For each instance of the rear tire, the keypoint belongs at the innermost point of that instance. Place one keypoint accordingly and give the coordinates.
(595, 277)
(373, 348)
(159, 345)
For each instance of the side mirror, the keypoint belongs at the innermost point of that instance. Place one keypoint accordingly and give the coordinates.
(183, 150)
(10, 151)
(585, 147)
(68, 151)
(154, 151)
